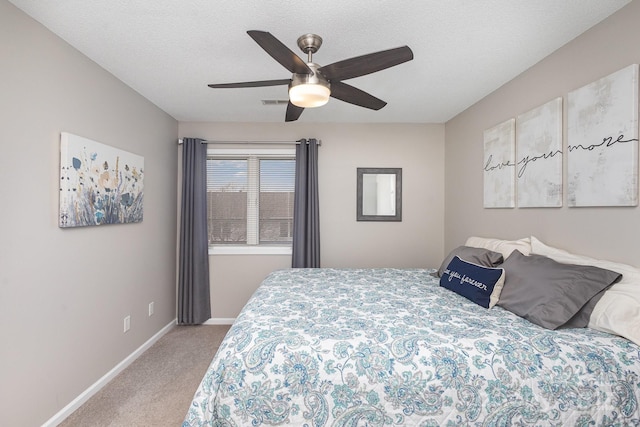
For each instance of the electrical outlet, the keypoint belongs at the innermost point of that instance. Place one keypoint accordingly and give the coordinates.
(151, 308)
(127, 323)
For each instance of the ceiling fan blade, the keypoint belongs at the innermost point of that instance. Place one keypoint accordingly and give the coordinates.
(280, 52)
(352, 95)
(251, 84)
(366, 64)
(293, 112)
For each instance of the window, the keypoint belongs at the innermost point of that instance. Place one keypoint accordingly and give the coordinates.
(250, 197)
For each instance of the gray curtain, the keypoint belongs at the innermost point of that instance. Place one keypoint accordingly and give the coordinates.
(194, 305)
(306, 217)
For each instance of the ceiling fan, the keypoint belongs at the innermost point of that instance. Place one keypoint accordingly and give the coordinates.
(311, 85)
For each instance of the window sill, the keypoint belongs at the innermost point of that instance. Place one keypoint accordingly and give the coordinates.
(249, 250)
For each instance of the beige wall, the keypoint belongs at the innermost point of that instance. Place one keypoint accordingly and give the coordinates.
(417, 241)
(611, 233)
(64, 293)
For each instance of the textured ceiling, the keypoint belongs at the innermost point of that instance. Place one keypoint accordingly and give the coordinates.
(169, 50)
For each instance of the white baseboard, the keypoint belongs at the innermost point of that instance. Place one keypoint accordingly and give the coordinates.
(220, 321)
(95, 387)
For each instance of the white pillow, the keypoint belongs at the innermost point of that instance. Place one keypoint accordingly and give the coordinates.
(505, 247)
(618, 311)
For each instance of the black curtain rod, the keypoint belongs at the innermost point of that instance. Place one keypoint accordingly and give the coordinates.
(249, 142)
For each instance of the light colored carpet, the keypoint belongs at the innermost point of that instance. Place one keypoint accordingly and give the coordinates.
(157, 388)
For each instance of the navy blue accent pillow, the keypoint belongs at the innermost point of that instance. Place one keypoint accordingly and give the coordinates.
(477, 283)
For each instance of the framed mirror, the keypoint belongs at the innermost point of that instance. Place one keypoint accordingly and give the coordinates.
(379, 194)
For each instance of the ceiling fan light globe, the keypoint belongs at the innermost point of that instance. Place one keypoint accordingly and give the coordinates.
(309, 95)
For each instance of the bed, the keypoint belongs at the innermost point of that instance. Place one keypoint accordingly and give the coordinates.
(386, 347)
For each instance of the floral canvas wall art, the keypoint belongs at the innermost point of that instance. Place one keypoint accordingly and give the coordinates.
(99, 184)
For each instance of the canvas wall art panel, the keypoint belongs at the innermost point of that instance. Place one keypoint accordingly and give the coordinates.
(499, 165)
(99, 184)
(539, 156)
(602, 141)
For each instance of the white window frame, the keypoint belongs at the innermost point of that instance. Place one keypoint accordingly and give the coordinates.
(257, 153)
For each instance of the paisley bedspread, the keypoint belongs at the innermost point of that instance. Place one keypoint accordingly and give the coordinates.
(388, 347)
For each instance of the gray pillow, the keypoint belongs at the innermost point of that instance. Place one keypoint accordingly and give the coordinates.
(479, 256)
(549, 293)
